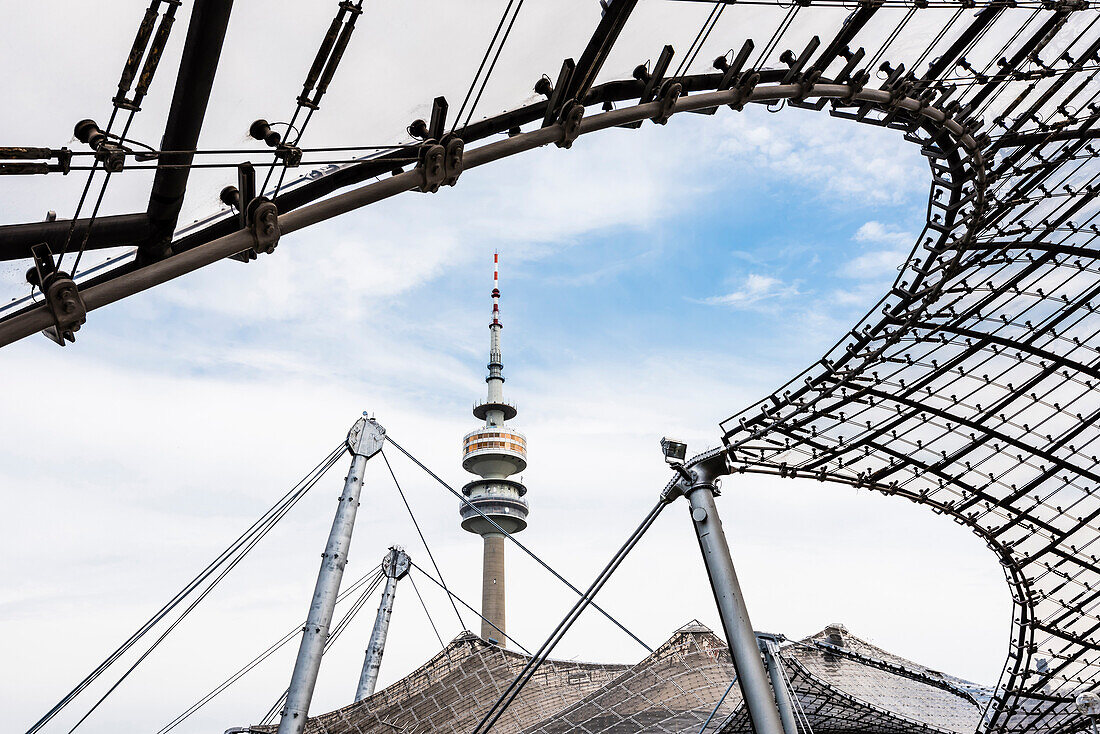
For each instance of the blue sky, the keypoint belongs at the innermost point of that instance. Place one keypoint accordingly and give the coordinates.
(654, 282)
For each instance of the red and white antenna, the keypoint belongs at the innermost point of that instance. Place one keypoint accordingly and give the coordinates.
(496, 289)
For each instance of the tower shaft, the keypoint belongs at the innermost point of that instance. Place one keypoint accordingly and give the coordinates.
(492, 589)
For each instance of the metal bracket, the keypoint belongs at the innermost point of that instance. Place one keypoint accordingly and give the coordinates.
(806, 86)
(255, 213)
(366, 437)
(657, 77)
(62, 296)
(110, 154)
(557, 92)
(773, 637)
(432, 165)
(396, 564)
(744, 91)
(667, 102)
(702, 470)
(570, 122)
(857, 82)
(452, 159)
(264, 222)
(290, 155)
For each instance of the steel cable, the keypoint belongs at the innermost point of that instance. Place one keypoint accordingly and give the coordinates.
(369, 577)
(511, 537)
(260, 527)
(423, 540)
(460, 601)
(492, 66)
(516, 687)
(700, 38)
(484, 59)
(427, 613)
(718, 705)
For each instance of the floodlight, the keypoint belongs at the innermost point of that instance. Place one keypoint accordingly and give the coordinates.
(675, 451)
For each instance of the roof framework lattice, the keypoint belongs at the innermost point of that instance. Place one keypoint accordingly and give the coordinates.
(971, 387)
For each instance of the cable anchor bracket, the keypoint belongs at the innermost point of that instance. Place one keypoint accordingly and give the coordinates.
(666, 103)
(108, 152)
(431, 165)
(570, 123)
(62, 296)
(745, 90)
(258, 214)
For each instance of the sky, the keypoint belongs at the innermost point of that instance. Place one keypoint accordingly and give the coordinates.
(654, 282)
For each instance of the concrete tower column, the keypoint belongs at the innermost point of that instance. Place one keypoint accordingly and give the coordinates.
(492, 588)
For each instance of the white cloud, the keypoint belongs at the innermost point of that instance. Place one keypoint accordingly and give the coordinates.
(753, 290)
(878, 233)
(845, 161)
(878, 264)
(874, 264)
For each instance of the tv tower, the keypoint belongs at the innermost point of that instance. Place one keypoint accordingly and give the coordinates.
(494, 452)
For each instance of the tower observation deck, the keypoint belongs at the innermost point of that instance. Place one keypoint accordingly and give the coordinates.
(494, 452)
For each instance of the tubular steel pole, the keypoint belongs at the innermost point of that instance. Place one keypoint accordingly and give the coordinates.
(779, 684)
(759, 702)
(364, 441)
(395, 566)
(198, 66)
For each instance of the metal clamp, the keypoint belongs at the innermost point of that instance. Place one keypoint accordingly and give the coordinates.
(432, 166)
(263, 217)
(109, 153)
(856, 83)
(258, 214)
(290, 155)
(452, 159)
(667, 102)
(806, 85)
(570, 123)
(62, 296)
(744, 91)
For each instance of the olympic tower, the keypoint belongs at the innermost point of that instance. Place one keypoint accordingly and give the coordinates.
(494, 452)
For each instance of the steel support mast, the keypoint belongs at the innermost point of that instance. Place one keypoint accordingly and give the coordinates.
(770, 647)
(698, 482)
(364, 441)
(395, 567)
